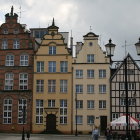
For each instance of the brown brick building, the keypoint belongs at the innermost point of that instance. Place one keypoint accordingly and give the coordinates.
(16, 75)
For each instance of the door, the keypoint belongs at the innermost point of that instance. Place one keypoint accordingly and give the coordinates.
(51, 123)
(103, 124)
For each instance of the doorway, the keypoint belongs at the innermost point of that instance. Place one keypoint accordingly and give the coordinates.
(51, 123)
(103, 124)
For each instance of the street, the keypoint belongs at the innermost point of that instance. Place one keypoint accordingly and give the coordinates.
(5, 136)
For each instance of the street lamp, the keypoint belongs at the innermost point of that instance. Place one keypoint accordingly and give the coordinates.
(110, 47)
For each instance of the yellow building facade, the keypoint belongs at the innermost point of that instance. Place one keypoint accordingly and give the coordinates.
(91, 99)
(52, 98)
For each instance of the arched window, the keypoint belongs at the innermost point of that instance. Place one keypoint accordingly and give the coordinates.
(9, 81)
(23, 81)
(22, 111)
(24, 60)
(9, 60)
(7, 111)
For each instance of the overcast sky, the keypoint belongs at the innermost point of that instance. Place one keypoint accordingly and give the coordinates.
(115, 19)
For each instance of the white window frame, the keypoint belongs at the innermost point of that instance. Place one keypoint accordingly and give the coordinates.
(23, 81)
(90, 58)
(39, 86)
(79, 73)
(102, 89)
(7, 111)
(102, 73)
(52, 50)
(40, 66)
(9, 60)
(24, 60)
(115, 116)
(63, 111)
(102, 104)
(51, 86)
(90, 73)
(90, 89)
(90, 104)
(52, 66)
(63, 66)
(51, 103)
(16, 44)
(21, 104)
(39, 111)
(9, 81)
(63, 86)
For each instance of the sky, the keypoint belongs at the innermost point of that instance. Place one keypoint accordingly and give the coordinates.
(115, 19)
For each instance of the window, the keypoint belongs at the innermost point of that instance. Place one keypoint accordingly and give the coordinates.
(90, 58)
(22, 108)
(102, 73)
(63, 111)
(51, 103)
(132, 101)
(9, 82)
(5, 31)
(79, 119)
(79, 73)
(16, 31)
(90, 89)
(102, 104)
(52, 50)
(79, 104)
(39, 85)
(63, 86)
(63, 66)
(130, 72)
(122, 86)
(90, 43)
(90, 73)
(131, 86)
(9, 60)
(40, 66)
(102, 88)
(23, 81)
(90, 104)
(4, 44)
(39, 111)
(51, 85)
(7, 111)
(115, 116)
(52, 66)
(90, 119)
(16, 44)
(122, 102)
(79, 88)
(24, 60)
(138, 116)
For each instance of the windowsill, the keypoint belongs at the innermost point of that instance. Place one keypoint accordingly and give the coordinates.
(51, 92)
(102, 77)
(39, 123)
(39, 92)
(102, 108)
(79, 77)
(102, 93)
(90, 108)
(63, 92)
(63, 123)
(90, 93)
(90, 77)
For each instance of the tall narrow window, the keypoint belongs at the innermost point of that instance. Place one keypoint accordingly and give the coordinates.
(63, 111)
(40, 66)
(16, 44)
(79, 104)
(79, 88)
(90, 89)
(39, 111)
(90, 73)
(4, 44)
(63, 86)
(9, 60)
(90, 58)
(23, 81)
(9, 81)
(79, 73)
(7, 111)
(52, 66)
(22, 111)
(24, 60)
(90, 119)
(90, 104)
(51, 85)
(52, 50)
(102, 88)
(102, 104)
(40, 86)
(63, 66)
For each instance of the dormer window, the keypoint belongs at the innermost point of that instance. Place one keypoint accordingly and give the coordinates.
(5, 31)
(16, 44)
(16, 31)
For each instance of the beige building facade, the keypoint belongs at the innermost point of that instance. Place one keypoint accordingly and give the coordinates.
(52, 98)
(91, 74)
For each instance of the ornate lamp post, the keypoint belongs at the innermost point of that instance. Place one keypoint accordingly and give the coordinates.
(110, 47)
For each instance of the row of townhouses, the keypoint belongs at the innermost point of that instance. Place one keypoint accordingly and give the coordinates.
(43, 88)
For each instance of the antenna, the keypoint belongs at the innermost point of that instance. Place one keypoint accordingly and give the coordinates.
(125, 49)
(90, 28)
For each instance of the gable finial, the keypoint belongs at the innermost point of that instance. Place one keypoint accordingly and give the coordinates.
(12, 11)
(53, 23)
